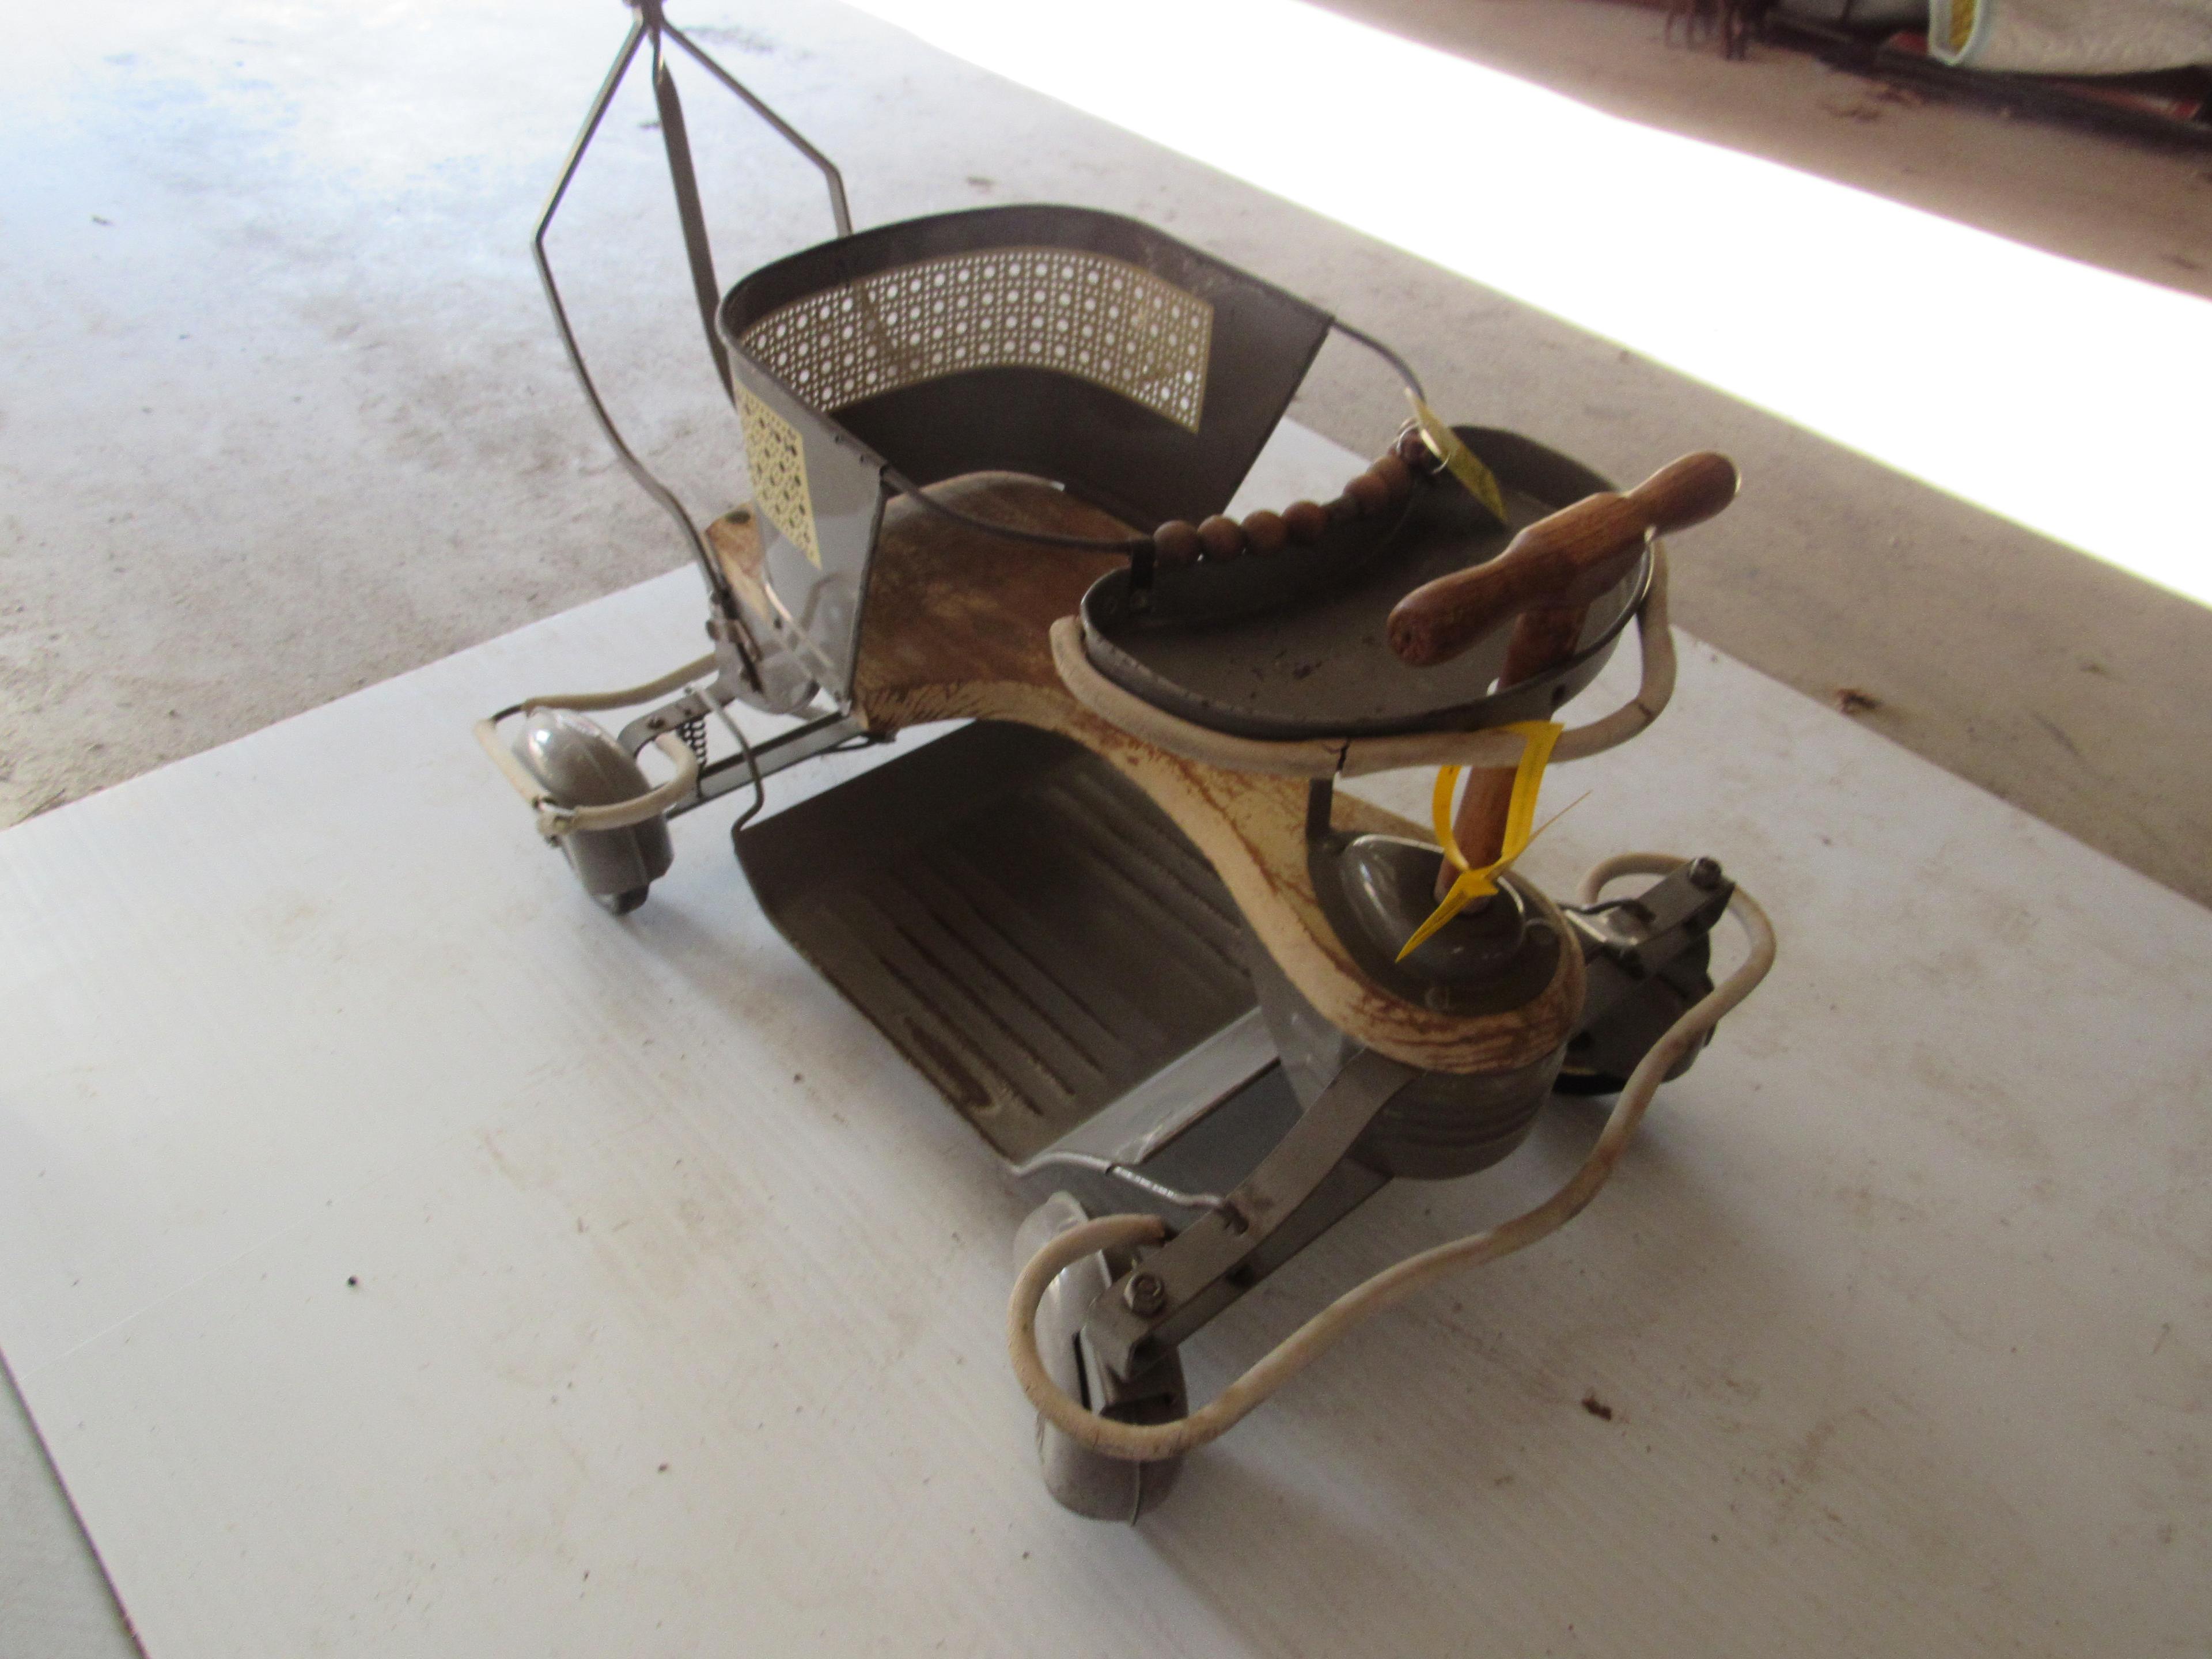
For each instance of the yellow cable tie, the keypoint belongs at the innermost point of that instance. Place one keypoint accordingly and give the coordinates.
(1458, 459)
(1537, 737)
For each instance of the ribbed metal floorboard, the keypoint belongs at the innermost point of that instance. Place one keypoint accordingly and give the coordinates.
(1032, 932)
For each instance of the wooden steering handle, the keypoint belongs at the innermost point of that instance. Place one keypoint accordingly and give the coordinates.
(1547, 576)
(1558, 564)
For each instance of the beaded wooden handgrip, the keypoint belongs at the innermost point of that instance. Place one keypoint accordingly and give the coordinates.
(1384, 488)
(1558, 565)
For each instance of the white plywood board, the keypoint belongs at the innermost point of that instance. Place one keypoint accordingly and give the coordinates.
(400, 1256)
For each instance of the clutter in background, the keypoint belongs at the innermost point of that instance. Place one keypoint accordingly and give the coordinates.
(2144, 66)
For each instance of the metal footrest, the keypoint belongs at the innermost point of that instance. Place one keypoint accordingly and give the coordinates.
(1027, 927)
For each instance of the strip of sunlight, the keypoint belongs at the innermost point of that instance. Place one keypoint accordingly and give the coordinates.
(2063, 397)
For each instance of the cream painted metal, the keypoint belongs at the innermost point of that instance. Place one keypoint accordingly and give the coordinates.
(399, 1255)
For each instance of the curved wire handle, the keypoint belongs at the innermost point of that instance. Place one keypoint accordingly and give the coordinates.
(1148, 1442)
(650, 23)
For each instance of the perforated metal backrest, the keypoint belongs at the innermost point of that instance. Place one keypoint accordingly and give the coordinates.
(1069, 345)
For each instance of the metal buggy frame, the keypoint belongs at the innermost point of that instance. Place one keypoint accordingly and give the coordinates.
(1124, 922)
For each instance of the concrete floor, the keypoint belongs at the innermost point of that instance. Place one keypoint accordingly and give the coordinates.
(281, 414)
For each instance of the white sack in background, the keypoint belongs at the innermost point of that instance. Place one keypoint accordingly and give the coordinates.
(2072, 37)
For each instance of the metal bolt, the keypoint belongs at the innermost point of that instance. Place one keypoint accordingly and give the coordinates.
(1704, 873)
(1145, 1294)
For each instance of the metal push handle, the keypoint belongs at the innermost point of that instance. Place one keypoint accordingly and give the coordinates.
(650, 23)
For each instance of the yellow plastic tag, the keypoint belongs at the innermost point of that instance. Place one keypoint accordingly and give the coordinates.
(1458, 459)
(1537, 737)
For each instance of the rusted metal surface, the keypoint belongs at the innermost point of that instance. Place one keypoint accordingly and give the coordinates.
(1029, 930)
(956, 629)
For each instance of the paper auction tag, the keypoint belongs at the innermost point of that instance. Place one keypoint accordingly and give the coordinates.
(1458, 459)
(1537, 737)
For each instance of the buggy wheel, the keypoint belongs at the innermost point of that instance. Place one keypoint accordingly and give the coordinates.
(580, 764)
(622, 903)
(1588, 1083)
(1089, 1482)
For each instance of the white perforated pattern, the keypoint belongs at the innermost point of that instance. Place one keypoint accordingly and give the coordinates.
(777, 461)
(1099, 318)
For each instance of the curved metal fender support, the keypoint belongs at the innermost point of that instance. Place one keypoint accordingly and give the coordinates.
(556, 820)
(594, 702)
(551, 822)
(695, 784)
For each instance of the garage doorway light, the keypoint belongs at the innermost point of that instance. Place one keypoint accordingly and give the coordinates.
(2066, 398)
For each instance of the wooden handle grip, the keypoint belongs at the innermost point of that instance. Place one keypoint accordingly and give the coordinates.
(1560, 562)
